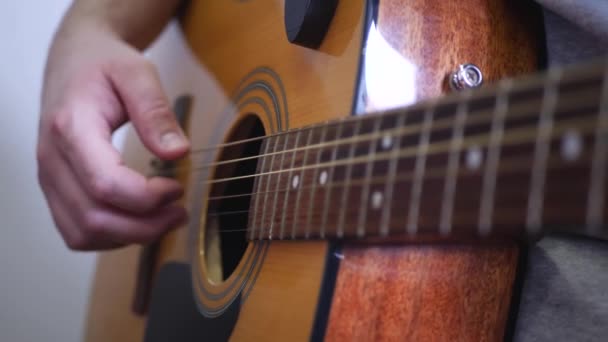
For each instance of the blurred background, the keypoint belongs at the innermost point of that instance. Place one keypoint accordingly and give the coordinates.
(44, 287)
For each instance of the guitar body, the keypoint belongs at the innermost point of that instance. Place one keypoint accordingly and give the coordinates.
(238, 65)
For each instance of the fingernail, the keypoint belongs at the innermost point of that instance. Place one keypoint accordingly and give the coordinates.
(172, 141)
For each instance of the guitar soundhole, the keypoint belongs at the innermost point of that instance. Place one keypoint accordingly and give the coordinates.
(227, 212)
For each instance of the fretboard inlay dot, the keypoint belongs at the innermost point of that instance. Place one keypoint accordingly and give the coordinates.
(377, 198)
(295, 181)
(571, 145)
(474, 158)
(323, 177)
(510, 162)
(387, 141)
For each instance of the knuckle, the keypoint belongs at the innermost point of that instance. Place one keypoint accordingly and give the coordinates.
(78, 242)
(145, 236)
(146, 64)
(159, 113)
(41, 154)
(42, 158)
(94, 225)
(45, 161)
(43, 181)
(131, 65)
(60, 125)
(102, 188)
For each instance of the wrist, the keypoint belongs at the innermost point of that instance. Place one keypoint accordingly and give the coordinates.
(136, 23)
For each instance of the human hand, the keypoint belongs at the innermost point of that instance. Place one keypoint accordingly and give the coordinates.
(94, 83)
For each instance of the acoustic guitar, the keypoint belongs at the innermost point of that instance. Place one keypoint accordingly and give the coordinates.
(312, 221)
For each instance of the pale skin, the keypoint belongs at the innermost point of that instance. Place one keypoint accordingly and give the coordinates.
(96, 79)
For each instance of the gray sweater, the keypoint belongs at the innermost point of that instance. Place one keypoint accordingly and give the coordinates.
(565, 284)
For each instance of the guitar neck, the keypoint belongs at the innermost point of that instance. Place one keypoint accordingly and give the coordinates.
(514, 160)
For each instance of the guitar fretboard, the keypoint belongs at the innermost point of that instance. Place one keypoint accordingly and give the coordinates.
(514, 160)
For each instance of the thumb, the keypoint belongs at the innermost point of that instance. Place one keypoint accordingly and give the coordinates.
(141, 92)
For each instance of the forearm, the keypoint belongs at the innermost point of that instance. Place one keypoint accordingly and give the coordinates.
(137, 22)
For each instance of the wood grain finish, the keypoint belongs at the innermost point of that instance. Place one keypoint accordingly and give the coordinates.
(384, 294)
(422, 293)
(433, 37)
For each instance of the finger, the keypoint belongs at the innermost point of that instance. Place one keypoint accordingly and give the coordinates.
(140, 89)
(98, 166)
(128, 229)
(66, 223)
(89, 224)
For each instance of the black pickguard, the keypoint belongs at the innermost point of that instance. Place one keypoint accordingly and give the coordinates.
(174, 316)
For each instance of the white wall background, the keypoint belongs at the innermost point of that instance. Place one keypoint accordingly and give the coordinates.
(43, 286)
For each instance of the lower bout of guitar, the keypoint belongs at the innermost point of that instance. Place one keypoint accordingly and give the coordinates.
(423, 293)
(381, 293)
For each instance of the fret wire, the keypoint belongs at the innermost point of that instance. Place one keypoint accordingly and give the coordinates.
(308, 127)
(328, 187)
(314, 186)
(365, 193)
(541, 152)
(289, 179)
(298, 190)
(494, 148)
(516, 136)
(348, 176)
(392, 170)
(264, 210)
(414, 129)
(447, 203)
(596, 196)
(276, 194)
(258, 182)
(510, 165)
(398, 177)
(415, 195)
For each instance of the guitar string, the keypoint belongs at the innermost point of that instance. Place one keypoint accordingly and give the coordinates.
(555, 135)
(478, 117)
(522, 135)
(444, 141)
(400, 178)
(508, 167)
(360, 182)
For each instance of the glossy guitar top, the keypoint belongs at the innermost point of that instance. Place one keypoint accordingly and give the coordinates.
(237, 63)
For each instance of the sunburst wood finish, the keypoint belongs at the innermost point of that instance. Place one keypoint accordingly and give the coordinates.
(375, 283)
